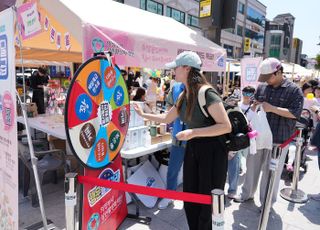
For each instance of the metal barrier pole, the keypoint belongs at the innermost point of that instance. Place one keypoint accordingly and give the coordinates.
(264, 217)
(217, 209)
(294, 194)
(70, 189)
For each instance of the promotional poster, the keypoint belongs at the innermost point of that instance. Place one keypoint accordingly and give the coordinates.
(104, 208)
(8, 125)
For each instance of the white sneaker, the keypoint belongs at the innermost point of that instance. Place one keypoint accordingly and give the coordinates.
(164, 203)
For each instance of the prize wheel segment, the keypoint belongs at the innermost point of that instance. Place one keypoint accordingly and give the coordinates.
(89, 113)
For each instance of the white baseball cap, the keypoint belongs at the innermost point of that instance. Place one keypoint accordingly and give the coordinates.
(267, 67)
(186, 58)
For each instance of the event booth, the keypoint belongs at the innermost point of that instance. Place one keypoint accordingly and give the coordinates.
(73, 32)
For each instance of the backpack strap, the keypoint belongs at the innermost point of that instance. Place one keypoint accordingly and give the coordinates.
(202, 99)
(247, 110)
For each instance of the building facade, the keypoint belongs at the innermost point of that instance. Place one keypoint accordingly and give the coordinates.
(247, 38)
(183, 11)
(279, 37)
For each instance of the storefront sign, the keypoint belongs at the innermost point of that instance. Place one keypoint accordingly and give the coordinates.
(8, 125)
(205, 8)
(28, 17)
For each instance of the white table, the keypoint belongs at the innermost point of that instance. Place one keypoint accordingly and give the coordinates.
(143, 151)
(52, 125)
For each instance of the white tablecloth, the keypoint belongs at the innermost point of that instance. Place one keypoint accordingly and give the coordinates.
(52, 125)
(142, 151)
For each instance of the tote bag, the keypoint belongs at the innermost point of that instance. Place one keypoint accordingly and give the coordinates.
(260, 123)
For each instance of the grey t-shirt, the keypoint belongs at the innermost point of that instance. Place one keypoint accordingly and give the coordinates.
(198, 120)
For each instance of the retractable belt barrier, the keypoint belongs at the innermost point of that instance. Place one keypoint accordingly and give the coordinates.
(294, 135)
(184, 196)
(216, 199)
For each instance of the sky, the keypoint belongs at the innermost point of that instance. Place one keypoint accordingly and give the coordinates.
(307, 22)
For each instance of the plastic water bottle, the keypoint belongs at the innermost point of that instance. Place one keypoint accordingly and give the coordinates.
(253, 144)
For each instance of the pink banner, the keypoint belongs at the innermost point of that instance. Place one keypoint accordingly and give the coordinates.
(141, 51)
(250, 71)
(29, 20)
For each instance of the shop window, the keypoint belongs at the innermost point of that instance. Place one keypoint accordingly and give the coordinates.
(275, 39)
(176, 14)
(193, 21)
(241, 8)
(229, 50)
(255, 16)
(151, 6)
(274, 52)
(239, 30)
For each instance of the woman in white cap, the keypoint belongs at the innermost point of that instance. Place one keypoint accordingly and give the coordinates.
(205, 162)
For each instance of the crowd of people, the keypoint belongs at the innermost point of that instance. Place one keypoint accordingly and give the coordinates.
(277, 103)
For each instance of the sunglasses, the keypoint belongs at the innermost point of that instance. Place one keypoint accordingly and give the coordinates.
(247, 94)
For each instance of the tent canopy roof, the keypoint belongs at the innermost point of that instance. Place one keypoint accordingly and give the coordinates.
(113, 15)
(141, 27)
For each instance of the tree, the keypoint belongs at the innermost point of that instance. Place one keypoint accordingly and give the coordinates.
(318, 61)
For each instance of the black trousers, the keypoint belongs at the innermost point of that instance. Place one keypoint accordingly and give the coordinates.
(205, 169)
(38, 98)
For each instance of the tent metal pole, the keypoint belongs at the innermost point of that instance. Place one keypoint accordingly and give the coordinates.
(34, 161)
(21, 57)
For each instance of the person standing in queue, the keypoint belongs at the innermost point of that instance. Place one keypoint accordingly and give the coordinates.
(178, 147)
(206, 158)
(282, 100)
(37, 82)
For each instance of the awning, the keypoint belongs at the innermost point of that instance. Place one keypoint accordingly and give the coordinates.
(38, 63)
(44, 48)
(136, 37)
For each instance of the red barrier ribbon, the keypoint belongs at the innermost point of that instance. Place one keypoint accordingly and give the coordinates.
(184, 196)
(284, 144)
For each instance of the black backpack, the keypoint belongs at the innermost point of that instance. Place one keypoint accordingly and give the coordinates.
(238, 138)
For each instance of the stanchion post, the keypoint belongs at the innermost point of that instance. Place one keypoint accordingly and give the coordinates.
(294, 194)
(70, 189)
(264, 217)
(217, 209)
(297, 161)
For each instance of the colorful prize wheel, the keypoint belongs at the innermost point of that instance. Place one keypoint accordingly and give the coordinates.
(97, 113)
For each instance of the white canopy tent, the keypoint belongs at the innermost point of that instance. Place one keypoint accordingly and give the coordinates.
(144, 31)
(292, 68)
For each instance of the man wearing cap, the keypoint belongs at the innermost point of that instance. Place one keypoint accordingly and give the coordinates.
(282, 100)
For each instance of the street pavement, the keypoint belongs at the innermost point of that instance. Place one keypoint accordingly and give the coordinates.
(285, 215)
